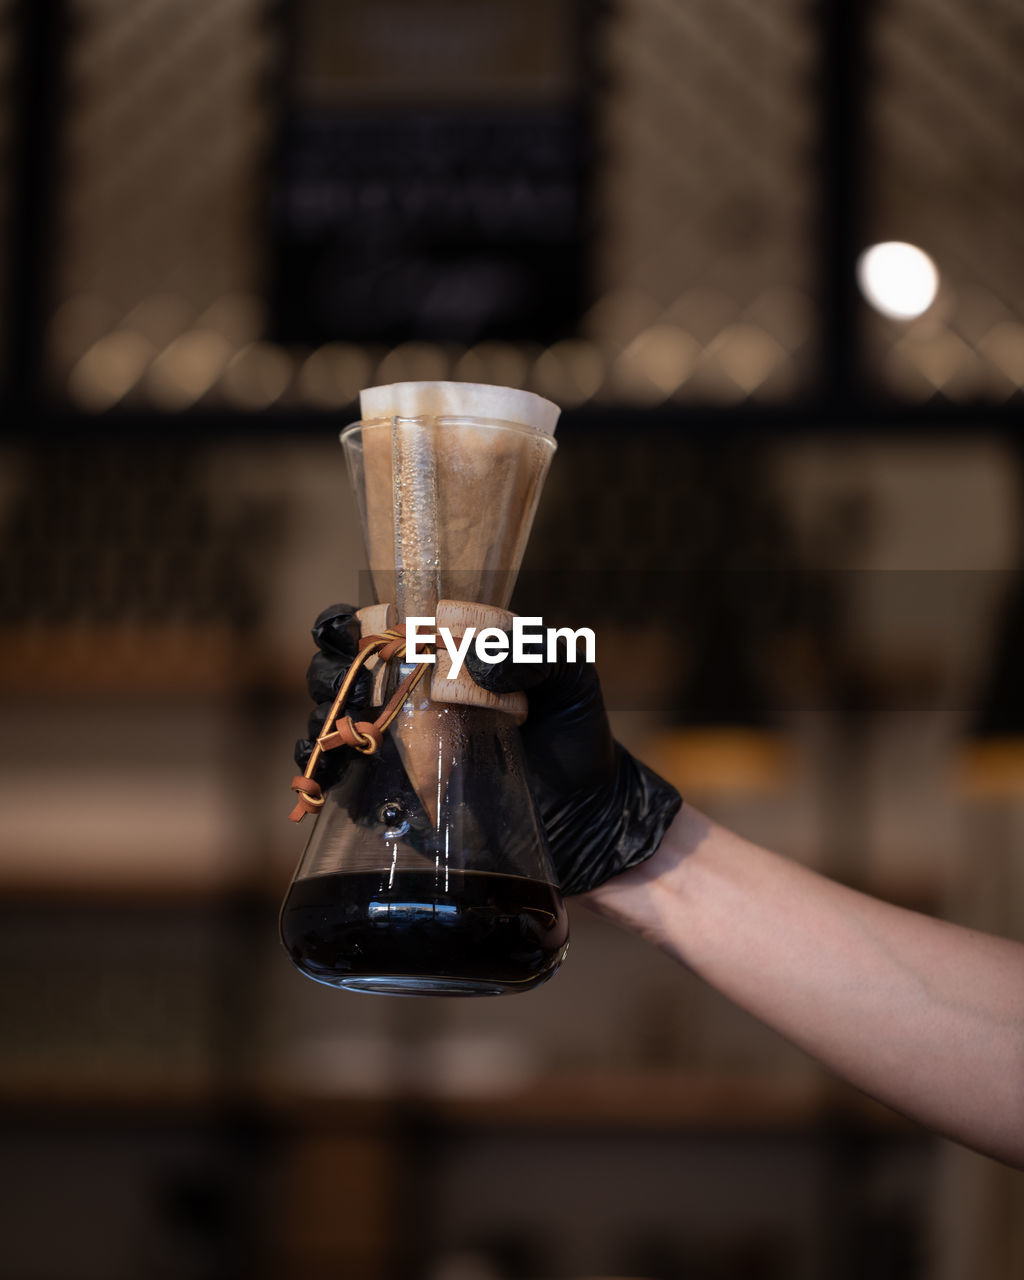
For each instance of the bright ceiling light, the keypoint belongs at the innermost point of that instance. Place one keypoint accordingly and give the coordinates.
(898, 279)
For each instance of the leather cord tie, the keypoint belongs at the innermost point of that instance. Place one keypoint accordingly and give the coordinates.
(362, 735)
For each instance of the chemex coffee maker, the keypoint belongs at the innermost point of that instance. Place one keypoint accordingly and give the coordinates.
(427, 871)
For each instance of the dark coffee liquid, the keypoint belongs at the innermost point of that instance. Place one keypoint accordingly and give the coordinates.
(425, 932)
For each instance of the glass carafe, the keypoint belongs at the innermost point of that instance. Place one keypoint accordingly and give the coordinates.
(427, 871)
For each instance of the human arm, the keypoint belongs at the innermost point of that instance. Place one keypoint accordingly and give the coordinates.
(924, 1015)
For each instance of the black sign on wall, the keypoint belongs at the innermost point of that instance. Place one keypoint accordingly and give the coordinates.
(433, 175)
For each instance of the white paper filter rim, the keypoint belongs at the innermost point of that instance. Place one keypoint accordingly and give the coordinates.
(459, 400)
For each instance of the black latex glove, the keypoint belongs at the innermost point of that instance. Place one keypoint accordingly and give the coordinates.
(603, 811)
(336, 633)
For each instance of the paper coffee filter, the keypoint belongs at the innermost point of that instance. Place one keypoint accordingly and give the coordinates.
(449, 504)
(459, 399)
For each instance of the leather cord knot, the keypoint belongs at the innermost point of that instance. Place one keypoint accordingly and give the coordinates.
(361, 734)
(310, 797)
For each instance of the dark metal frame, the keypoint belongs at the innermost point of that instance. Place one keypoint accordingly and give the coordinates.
(841, 399)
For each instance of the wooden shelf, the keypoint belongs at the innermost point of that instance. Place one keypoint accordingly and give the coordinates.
(712, 761)
(663, 1101)
(129, 660)
(107, 892)
(992, 770)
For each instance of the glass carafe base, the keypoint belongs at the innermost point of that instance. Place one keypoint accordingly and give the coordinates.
(434, 931)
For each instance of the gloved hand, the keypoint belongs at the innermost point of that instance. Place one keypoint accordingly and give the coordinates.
(336, 633)
(603, 811)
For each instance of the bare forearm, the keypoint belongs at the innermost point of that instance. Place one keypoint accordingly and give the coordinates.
(925, 1015)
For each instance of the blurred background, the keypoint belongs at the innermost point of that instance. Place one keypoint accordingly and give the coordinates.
(787, 496)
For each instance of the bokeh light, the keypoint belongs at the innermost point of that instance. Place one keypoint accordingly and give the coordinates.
(898, 279)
